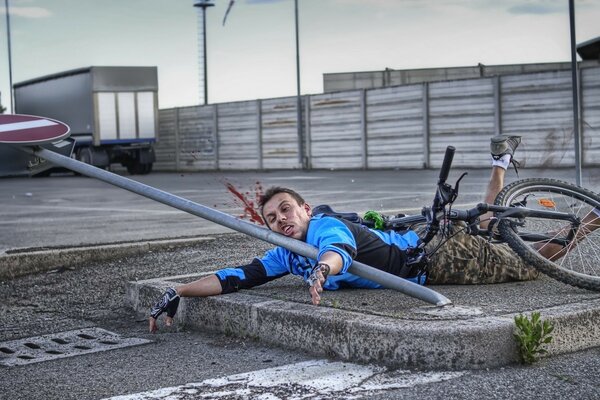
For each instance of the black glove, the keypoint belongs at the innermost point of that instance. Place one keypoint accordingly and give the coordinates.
(168, 302)
(321, 267)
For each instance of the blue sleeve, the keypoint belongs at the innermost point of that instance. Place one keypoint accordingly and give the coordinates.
(277, 261)
(258, 272)
(330, 234)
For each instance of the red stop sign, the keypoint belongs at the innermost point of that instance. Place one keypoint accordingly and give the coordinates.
(29, 129)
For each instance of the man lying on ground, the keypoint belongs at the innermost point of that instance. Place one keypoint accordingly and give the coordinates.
(464, 259)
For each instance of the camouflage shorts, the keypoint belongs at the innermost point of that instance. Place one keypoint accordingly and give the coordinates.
(466, 259)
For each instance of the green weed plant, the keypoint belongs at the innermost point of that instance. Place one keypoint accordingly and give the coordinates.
(532, 334)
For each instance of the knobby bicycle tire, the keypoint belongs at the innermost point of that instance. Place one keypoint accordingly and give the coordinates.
(580, 266)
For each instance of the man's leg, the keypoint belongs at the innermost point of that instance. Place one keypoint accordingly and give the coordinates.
(466, 259)
(502, 150)
(494, 187)
(589, 224)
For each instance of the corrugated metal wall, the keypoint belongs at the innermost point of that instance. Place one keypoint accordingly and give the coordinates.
(540, 108)
(396, 127)
(462, 114)
(187, 139)
(238, 139)
(335, 137)
(279, 134)
(590, 115)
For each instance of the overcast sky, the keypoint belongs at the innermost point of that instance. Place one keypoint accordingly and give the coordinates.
(254, 56)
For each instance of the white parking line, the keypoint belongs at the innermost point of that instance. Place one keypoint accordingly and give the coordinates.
(306, 380)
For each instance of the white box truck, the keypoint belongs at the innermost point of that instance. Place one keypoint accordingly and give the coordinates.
(112, 112)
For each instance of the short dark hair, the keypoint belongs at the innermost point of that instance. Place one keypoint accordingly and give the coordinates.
(272, 191)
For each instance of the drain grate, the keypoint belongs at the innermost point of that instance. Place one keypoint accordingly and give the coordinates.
(61, 345)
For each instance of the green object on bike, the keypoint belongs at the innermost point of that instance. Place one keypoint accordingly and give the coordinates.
(376, 218)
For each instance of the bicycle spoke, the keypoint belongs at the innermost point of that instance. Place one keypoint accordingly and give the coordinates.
(577, 263)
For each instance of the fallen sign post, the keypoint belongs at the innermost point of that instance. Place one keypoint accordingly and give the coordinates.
(385, 279)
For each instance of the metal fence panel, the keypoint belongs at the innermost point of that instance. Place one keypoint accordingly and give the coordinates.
(279, 133)
(186, 139)
(393, 127)
(336, 139)
(165, 146)
(394, 123)
(539, 107)
(238, 141)
(590, 115)
(197, 142)
(461, 114)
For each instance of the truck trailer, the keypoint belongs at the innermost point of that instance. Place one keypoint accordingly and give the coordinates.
(112, 112)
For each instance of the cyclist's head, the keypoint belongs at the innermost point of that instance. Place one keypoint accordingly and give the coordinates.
(285, 211)
(273, 190)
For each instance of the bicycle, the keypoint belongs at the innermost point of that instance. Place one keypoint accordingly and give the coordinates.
(533, 216)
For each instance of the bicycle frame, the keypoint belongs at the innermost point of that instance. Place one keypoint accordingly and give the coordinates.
(446, 194)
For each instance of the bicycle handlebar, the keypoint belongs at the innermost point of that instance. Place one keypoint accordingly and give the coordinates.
(446, 164)
(441, 196)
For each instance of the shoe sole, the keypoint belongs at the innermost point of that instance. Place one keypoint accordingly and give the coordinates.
(499, 145)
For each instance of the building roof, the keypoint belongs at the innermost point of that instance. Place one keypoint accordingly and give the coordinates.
(589, 50)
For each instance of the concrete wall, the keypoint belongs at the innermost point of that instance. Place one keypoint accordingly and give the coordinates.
(406, 126)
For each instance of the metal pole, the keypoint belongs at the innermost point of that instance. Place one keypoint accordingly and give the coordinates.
(203, 4)
(383, 278)
(205, 61)
(298, 95)
(10, 79)
(575, 86)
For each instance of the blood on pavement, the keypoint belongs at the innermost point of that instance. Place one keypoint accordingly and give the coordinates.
(250, 205)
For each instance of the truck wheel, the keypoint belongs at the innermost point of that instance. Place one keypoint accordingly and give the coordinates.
(84, 155)
(94, 156)
(133, 168)
(137, 168)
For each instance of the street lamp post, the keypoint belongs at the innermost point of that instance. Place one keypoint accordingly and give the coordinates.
(10, 89)
(203, 5)
(575, 88)
(298, 95)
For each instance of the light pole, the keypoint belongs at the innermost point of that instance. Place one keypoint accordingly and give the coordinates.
(10, 89)
(203, 5)
(575, 87)
(298, 95)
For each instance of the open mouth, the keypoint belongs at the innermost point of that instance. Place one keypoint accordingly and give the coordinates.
(288, 230)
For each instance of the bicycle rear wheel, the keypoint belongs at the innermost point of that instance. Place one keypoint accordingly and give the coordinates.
(575, 261)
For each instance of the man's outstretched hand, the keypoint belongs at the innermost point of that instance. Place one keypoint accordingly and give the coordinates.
(153, 326)
(316, 280)
(168, 302)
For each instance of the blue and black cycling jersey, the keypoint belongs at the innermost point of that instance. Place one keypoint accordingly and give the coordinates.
(381, 250)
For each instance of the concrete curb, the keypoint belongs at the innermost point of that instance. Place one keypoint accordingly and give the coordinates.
(28, 261)
(473, 343)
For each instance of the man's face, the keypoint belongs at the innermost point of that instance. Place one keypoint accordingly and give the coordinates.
(284, 215)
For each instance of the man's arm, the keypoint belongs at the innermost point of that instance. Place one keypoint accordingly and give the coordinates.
(337, 248)
(207, 286)
(224, 281)
(330, 263)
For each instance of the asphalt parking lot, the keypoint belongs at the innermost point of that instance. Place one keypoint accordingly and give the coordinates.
(66, 211)
(69, 210)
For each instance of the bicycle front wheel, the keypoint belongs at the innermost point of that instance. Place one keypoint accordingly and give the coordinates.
(566, 251)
